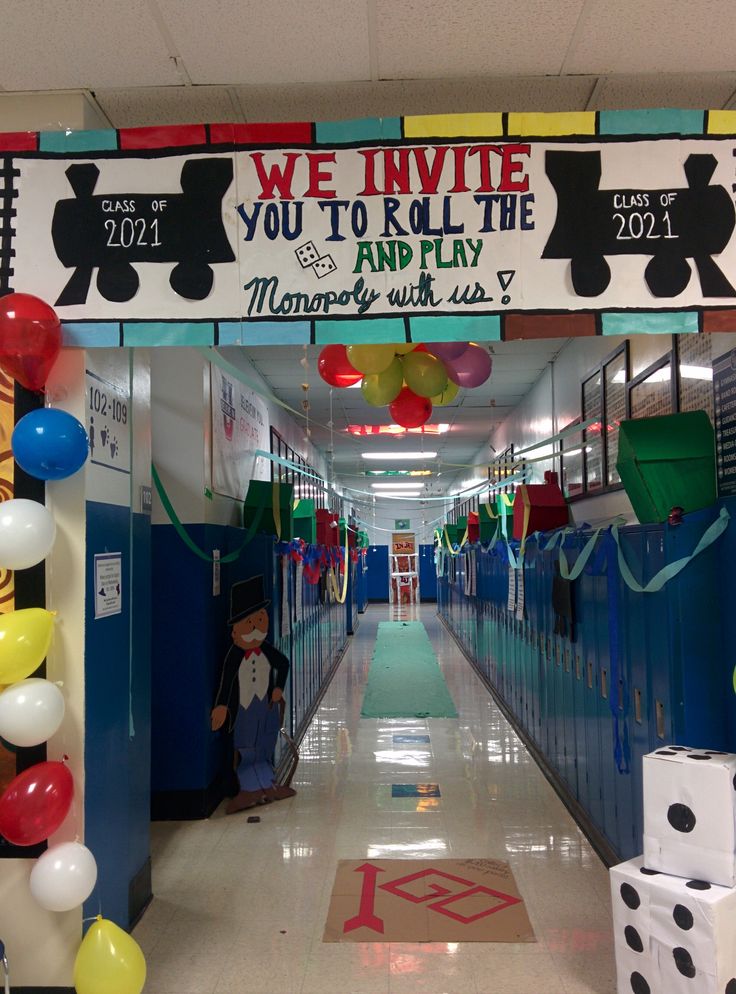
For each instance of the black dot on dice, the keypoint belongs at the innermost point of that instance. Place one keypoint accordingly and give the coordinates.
(681, 817)
(633, 939)
(692, 755)
(684, 962)
(697, 885)
(639, 984)
(734, 782)
(683, 917)
(712, 752)
(649, 873)
(666, 752)
(630, 897)
(680, 748)
(731, 987)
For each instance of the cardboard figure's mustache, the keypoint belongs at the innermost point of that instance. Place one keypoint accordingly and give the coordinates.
(255, 636)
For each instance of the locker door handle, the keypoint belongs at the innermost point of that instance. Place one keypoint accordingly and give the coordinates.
(637, 705)
(659, 707)
(604, 683)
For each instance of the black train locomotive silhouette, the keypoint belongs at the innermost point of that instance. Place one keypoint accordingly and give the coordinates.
(110, 232)
(670, 225)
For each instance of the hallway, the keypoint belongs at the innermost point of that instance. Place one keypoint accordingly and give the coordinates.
(240, 908)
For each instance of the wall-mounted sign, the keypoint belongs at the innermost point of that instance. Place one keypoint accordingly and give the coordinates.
(108, 584)
(236, 226)
(402, 524)
(240, 425)
(724, 393)
(108, 424)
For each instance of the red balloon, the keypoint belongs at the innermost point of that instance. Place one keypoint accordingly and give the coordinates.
(36, 803)
(409, 410)
(30, 339)
(335, 369)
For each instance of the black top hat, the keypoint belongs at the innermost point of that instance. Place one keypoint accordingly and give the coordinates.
(246, 597)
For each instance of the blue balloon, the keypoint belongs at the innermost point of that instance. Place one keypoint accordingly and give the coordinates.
(50, 444)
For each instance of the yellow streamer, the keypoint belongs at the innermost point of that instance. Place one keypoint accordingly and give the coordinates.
(340, 598)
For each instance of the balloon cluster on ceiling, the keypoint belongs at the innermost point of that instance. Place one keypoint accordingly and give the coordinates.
(410, 379)
(48, 444)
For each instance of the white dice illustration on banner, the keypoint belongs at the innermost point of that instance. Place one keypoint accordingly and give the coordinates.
(672, 935)
(689, 813)
(309, 258)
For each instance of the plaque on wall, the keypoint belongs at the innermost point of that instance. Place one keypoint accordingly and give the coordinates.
(724, 400)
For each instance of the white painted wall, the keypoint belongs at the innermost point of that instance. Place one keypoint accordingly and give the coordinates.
(181, 425)
(536, 417)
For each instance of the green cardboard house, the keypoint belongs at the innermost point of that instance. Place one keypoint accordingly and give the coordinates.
(667, 462)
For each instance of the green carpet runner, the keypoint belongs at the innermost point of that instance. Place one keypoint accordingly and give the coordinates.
(405, 679)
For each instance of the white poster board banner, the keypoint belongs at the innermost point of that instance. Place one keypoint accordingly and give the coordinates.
(240, 426)
(481, 226)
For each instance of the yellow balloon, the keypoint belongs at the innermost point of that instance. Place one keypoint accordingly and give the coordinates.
(109, 961)
(425, 374)
(380, 389)
(25, 637)
(447, 396)
(371, 358)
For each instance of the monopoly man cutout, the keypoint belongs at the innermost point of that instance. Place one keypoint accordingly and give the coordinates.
(251, 688)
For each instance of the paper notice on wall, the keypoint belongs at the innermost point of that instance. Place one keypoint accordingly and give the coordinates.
(511, 605)
(299, 604)
(520, 594)
(240, 426)
(108, 584)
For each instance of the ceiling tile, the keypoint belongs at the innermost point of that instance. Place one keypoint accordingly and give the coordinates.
(473, 37)
(672, 36)
(394, 98)
(144, 106)
(49, 45)
(696, 91)
(248, 41)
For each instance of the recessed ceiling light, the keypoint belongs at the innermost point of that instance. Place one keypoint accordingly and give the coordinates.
(438, 429)
(398, 455)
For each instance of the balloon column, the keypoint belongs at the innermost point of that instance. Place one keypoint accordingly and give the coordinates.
(47, 444)
(409, 379)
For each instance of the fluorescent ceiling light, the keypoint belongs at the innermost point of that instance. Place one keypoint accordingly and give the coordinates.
(397, 486)
(438, 429)
(398, 455)
(398, 472)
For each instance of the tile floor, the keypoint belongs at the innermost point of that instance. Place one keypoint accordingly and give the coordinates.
(240, 908)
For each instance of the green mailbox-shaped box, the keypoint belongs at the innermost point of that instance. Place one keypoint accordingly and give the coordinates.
(305, 520)
(667, 462)
(262, 494)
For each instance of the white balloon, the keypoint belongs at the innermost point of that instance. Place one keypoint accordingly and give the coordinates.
(30, 712)
(27, 532)
(64, 877)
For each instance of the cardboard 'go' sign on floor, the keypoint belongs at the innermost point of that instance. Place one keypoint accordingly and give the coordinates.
(409, 900)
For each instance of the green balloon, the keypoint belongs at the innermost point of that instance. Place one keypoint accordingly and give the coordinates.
(447, 396)
(425, 374)
(380, 389)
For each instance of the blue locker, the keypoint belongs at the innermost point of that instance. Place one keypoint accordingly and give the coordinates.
(377, 564)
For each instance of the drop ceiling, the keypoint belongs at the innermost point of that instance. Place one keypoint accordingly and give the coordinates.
(472, 417)
(173, 61)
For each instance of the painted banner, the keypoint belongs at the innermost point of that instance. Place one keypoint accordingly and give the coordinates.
(237, 234)
(240, 425)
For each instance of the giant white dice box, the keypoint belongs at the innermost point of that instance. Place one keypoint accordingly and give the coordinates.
(690, 813)
(672, 935)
